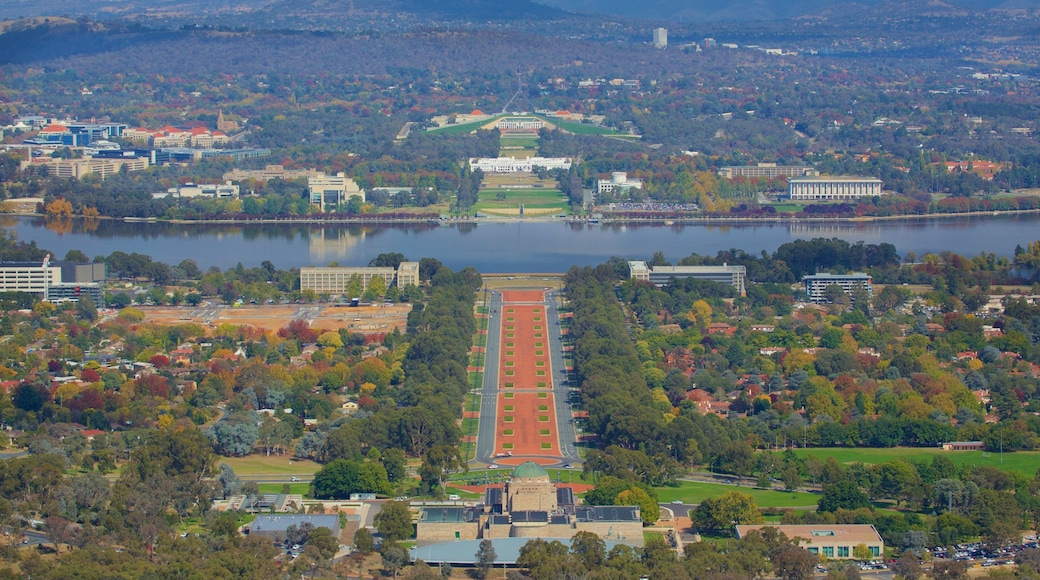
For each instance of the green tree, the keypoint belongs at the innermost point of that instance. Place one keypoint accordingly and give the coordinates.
(793, 563)
(394, 521)
(364, 542)
(724, 511)
(394, 557)
(843, 495)
(485, 558)
(342, 477)
(322, 539)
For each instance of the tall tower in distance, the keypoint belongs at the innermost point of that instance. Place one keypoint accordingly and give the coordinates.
(660, 37)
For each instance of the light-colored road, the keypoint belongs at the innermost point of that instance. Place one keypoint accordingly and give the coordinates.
(489, 390)
(561, 382)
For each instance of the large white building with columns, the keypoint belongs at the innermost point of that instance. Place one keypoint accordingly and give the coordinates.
(836, 187)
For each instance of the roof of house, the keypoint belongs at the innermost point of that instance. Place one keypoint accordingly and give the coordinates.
(848, 533)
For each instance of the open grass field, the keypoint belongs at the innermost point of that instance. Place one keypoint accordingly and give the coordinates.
(298, 488)
(1025, 462)
(259, 466)
(535, 202)
(694, 492)
(461, 128)
(582, 128)
(525, 142)
(788, 207)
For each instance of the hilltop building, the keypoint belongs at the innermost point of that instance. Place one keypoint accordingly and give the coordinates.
(660, 38)
(735, 276)
(529, 506)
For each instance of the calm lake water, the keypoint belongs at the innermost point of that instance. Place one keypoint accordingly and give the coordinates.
(502, 247)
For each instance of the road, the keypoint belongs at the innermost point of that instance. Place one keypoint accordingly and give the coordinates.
(560, 380)
(489, 390)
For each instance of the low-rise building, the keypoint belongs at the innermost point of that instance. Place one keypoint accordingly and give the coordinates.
(833, 187)
(833, 541)
(334, 280)
(274, 526)
(767, 170)
(735, 276)
(618, 181)
(514, 165)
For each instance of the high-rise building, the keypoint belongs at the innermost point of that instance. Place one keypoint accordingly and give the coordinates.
(660, 37)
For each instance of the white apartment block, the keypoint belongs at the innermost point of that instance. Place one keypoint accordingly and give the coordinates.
(767, 170)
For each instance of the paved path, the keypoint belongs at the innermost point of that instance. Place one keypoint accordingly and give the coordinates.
(561, 382)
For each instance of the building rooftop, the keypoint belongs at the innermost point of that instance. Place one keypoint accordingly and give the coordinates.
(847, 533)
(281, 522)
(464, 552)
(621, 513)
(529, 469)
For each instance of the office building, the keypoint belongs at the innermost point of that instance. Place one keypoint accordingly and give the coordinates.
(276, 526)
(53, 281)
(834, 542)
(334, 280)
(817, 284)
(834, 187)
(329, 191)
(767, 170)
(660, 38)
(735, 276)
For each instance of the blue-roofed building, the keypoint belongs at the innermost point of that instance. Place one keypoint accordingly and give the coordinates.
(273, 526)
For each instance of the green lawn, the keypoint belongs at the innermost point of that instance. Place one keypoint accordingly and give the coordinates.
(274, 465)
(525, 196)
(525, 142)
(695, 492)
(469, 426)
(463, 128)
(1025, 462)
(788, 207)
(298, 488)
(582, 128)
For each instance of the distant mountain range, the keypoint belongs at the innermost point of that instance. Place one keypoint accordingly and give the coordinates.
(701, 10)
(677, 11)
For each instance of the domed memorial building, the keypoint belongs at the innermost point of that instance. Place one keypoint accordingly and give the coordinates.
(529, 506)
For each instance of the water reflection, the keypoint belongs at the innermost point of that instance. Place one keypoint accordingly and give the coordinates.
(533, 246)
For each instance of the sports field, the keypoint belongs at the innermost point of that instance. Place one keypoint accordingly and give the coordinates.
(275, 466)
(694, 492)
(1025, 462)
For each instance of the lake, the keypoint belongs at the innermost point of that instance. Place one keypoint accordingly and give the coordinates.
(536, 246)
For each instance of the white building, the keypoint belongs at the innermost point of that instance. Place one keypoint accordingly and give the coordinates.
(817, 284)
(329, 191)
(735, 276)
(514, 165)
(618, 181)
(334, 280)
(836, 187)
(189, 190)
(768, 170)
(660, 37)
